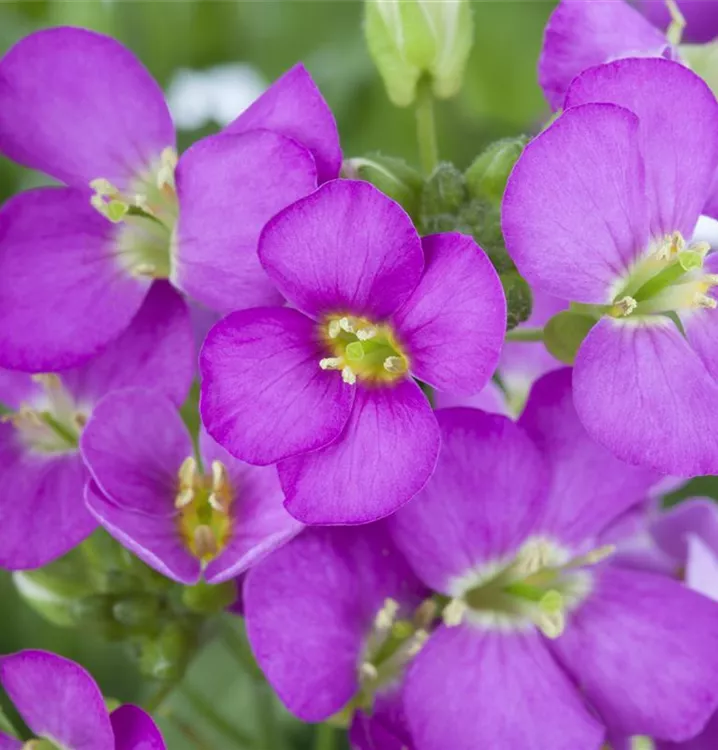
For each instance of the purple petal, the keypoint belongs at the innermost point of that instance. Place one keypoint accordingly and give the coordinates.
(43, 516)
(155, 351)
(453, 324)
(78, 105)
(706, 740)
(385, 455)
(264, 396)
(491, 399)
(701, 17)
(581, 34)
(134, 445)
(155, 539)
(310, 607)
(58, 265)
(679, 143)
(260, 523)
(294, 107)
(616, 646)
(469, 689)
(228, 188)
(57, 699)
(631, 381)
(482, 501)
(573, 226)
(386, 727)
(17, 388)
(135, 729)
(590, 487)
(11, 743)
(346, 248)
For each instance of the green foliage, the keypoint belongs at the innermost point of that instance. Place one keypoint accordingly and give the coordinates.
(564, 334)
(519, 300)
(486, 177)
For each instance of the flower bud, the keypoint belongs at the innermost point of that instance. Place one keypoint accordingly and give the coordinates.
(519, 300)
(564, 334)
(487, 176)
(137, 611)
(411, 38)
(205, 598)
(166, 657)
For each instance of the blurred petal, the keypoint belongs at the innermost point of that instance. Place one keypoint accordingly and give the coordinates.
(310, 607)
(470, 689)
(701, 18)
(453, 325)
(155, 351)
(346, 248)
(58, 265)
(135, 729)
(590, 487)
(706, 740)
(156, 540)
(484, 498)
(631, 380)
(264, 396)
(491, 399)
(679, 143)
(383, 458)
(11, 743)
(78, 105)
(57, 699)
(573, 226)
(228, 188)
(583, 33)
(294, 107)
(134, 445)
(615, 647)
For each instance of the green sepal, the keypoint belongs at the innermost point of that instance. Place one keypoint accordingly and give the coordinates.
(205, 598)
(444, 192)
(564, 334)
(137, 612)
(702, 60)
(166, 656)
(94, 613)
(519, 300)
(486, 177)
(394, 177)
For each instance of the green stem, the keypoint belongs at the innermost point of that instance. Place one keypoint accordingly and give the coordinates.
(268, 720)
(159, 696)
(525, 334)
(205, 708)
(426, 127)
(324, 737)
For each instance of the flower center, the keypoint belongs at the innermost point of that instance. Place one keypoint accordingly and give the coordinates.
(146, 216)
(670, 278)
(537, 588)
(203, 503)
(362, 350)
(53, 423)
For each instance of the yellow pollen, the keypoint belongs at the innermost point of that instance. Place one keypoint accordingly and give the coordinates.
(454, 612)
(624, 307)
(348, 375)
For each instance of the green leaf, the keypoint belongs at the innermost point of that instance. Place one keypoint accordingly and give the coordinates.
(487, 176)
(564, 334)
(394, 177)
(6, 725)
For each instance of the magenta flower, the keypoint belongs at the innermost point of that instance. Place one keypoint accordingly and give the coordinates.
(61, 703)
(373, 732)
(44, 516)
(333, 618)
(184, 515)
(327, 389)
(701, 17)
(541, 623)
(611, 228)
(80, 107)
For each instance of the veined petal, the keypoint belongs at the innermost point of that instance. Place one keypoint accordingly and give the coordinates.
(701, 18)
(346, 248)
(58, 264)
(264, 395)
(484, 498)
(615, 647)
(384, 456)
(580, 34)
(491, 399)
(135, 729)
(679, 142)
(641, 392)
(590, 487)
(310, 606)
(294, 107)
(228, 188)
(467, 689)
(10, 743)
(573, 226)
(453, 324)
(57, 699)
(79, 106)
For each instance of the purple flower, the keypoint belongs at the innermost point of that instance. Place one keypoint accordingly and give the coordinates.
(80, 107)
(327, 389)
(184, 515)
(333, 618)
(701, 17)
(611, 227)
(44, 515)
(541, 624)
(60, 702)
(373, 732)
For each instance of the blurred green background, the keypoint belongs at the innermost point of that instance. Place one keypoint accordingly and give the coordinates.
(500, 97)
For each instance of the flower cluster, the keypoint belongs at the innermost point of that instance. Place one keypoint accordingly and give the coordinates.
(252, 369)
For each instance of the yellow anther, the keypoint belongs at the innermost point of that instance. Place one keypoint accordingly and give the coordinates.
(417, 642)
(331, 363)
(425, 613)
(188, 474)
(454, 612)
(221, 496)
(551, 624)
(364, 334)
(205, 542)
(346, 324)
(704, 301)
(368, 672)
(334, 329)
(624, 307)
(145, 269)
(184, 497)
(348, 375)
(386, 615)
(395, 364)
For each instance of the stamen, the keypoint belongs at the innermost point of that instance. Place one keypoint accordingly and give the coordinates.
(145, 269)
(331, 363)
(454, 612)
(386, 615)
(166, 172)
(550, 617)
(704, 301)
(348, 375)
(395, 364)
(417, 642)
(368, 671)
(334, 328)
(623, 307)
(364, 334)
(188, 474)
(184, 497)
(346, 324)
(593, 557)
(205, 542)
(425, 613)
